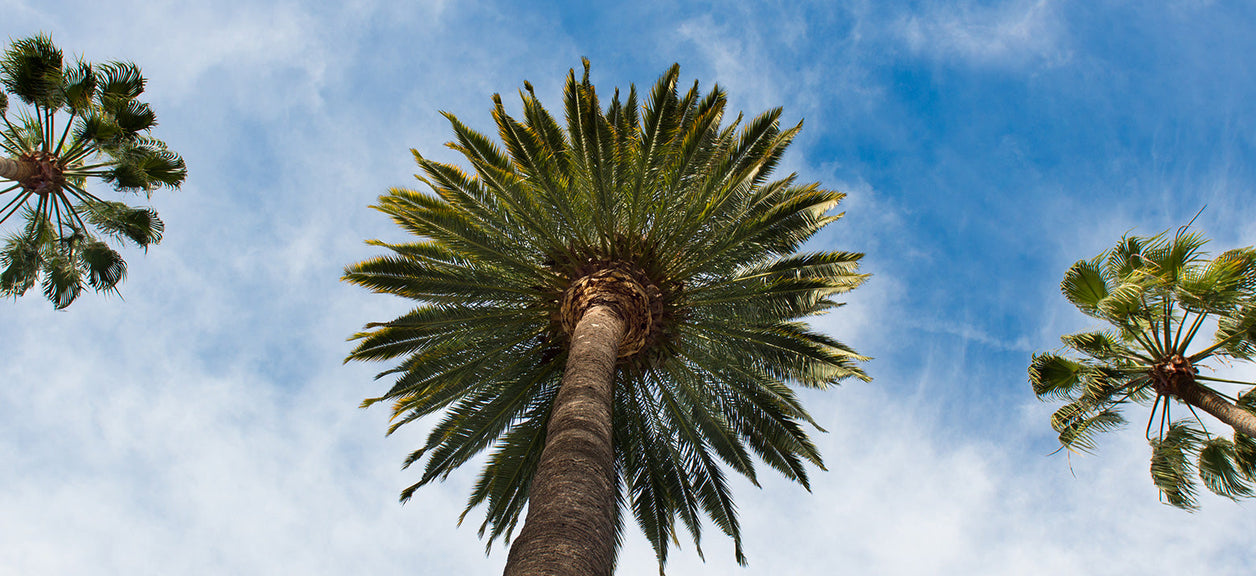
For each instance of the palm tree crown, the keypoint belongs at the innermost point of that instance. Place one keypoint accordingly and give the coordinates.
(46, 160)
(658, 211)
(1158, 294)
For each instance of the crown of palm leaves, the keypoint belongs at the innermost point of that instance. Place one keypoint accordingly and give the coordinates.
(47, 161)
(664, 194)
(1158, 294)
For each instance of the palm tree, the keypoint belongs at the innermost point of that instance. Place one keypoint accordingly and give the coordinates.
(613, 310)
(46, 160)
(1158, 294)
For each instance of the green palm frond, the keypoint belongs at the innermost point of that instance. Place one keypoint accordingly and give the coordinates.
(1171, 467)
(23, 259)
(663, 188)
(119, 83)
(105, 267)
(119, 221)
(79, 87)
(1078, 423)
(1054, 376)
(1237, 332)
(31, 70)
(1221, 471)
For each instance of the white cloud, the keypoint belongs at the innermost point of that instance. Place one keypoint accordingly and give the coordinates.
(1005, 34)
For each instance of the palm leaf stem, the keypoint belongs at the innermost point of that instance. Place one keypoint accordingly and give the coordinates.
(56, 208)
(1197, 419)
(41, 116)
(82, 193)
(1152, 418)
(64, 133)
(1164, 415)
(85, 170)
(1142, 341)
(13, 146)
(1214, 379)
(1168, 325)
(1135, 357)
(1153, 328)
(39, 208)
(1196, 357)
(79, 150)
(87, 173)
(1181, 344)
(51, 127)
(73, 212)
(17, 202)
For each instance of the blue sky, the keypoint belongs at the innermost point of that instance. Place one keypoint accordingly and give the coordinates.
(204, 423)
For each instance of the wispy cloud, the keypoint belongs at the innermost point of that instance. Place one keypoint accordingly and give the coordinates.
(1004, 34)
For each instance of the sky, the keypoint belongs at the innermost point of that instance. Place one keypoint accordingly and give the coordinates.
(203, 422)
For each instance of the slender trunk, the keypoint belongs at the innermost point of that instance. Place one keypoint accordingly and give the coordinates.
(570, 527)
(1237, 418)
(11, 169)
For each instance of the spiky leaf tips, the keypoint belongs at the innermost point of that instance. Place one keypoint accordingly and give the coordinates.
(1159, 295)
(73, 123)
(658, 210)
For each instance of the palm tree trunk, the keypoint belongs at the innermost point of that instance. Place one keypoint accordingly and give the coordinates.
(1237, 418)
(570, 527)
(15, 170)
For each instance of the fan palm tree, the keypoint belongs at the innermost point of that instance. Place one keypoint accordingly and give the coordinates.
(1158, 294)
(612, 309)
(79, 122)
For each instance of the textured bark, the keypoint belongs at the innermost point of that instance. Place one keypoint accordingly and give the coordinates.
(570, 526)
(11, 169)
(1225, 411)
(627, 290)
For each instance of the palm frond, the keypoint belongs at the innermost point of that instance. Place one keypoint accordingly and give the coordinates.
(1171, 468)
(31, 70)
(119, 221)
(1221, 472)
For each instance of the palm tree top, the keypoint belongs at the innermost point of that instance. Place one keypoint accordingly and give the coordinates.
(666, 212)
(75, 123)
(1159, 294)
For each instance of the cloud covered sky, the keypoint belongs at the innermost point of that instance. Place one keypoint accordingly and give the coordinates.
(204, 423)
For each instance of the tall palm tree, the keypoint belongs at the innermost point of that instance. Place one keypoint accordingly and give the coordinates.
(1159, 294)
(613, 310)
(46, 160)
